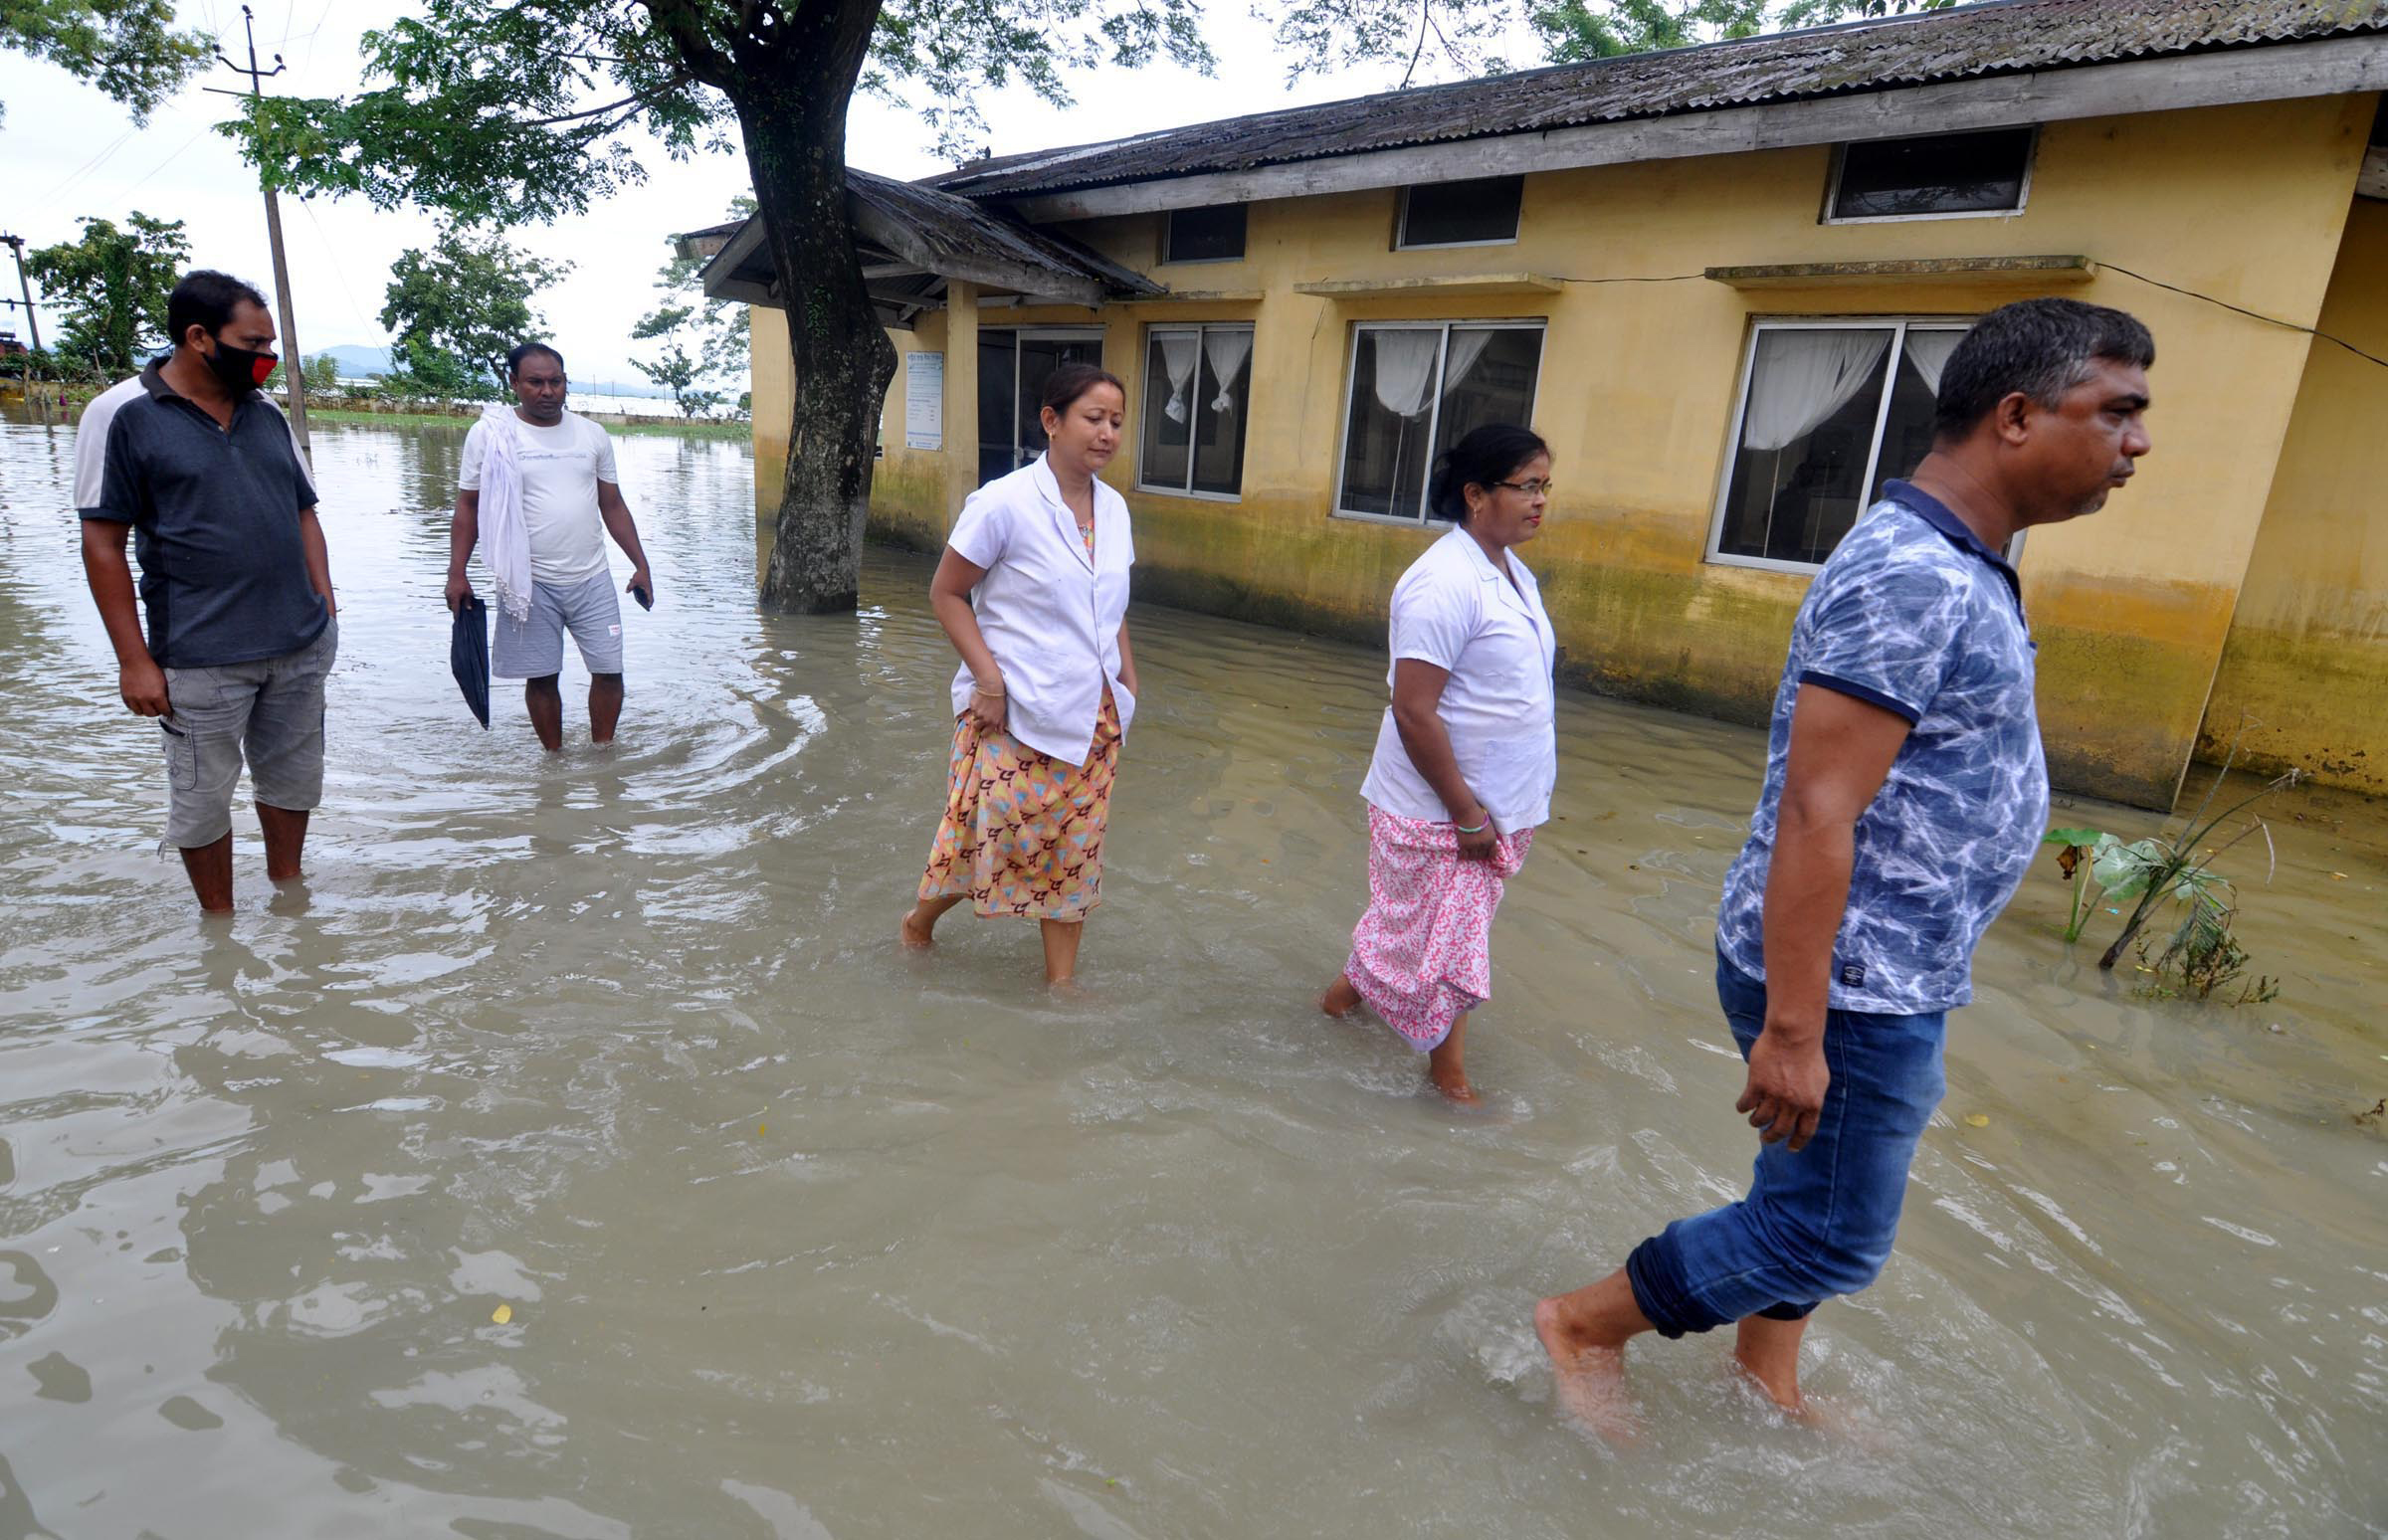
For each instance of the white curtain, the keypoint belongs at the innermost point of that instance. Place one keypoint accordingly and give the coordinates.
(1928, 351)
(1177, 356)
(1801, 377)
(1466, 348)
(1405, 369)
(1226, 351)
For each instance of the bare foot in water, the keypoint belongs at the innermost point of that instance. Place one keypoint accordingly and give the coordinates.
(1454, 1086)
(916, 933)
(1447, 1069)
(1589, 1379)
(1834, 1417)
(1341, 999)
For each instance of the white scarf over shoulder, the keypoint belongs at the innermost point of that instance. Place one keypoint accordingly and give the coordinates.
(504, 537)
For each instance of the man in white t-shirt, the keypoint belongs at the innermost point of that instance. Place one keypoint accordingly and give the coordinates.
(571, 499)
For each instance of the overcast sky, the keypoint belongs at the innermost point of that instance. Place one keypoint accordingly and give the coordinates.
(67, 151)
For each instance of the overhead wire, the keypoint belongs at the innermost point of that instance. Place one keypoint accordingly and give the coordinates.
(2241, 309)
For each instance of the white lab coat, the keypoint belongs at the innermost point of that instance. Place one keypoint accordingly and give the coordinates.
(1455, 610)
(1051, 616)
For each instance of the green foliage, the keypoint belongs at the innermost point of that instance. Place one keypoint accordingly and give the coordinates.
(127, 48)
(114, 285)
(706, 342)
(32, 364)
(455, 311)
(2202, 955)
(507, 111)
(1466, 36)
(322, 375)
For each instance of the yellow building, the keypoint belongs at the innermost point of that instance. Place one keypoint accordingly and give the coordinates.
(1722, 282)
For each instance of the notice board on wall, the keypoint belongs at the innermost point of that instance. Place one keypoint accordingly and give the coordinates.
(924, 400)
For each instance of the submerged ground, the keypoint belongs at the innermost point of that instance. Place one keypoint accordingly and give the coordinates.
(798, 1235)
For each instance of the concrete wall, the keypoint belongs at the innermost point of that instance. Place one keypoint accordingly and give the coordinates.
(2307, 664)
(1639, 384)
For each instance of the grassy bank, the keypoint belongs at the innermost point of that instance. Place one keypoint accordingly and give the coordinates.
(688, 430)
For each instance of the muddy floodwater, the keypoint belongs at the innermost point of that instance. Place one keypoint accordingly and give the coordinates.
(576, 1155)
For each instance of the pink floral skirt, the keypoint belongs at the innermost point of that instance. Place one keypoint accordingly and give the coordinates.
(1422, 956)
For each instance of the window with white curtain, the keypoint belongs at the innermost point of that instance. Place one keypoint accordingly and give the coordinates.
(1416, 389)
(1197, 399)
(1829, 411)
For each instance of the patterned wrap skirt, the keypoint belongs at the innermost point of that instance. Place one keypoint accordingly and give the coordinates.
(1023, 832)
(1422, 956)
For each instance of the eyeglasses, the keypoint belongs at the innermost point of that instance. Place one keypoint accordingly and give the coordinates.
(1533, 489)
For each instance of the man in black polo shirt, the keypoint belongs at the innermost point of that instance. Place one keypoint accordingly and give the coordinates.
(204, 470)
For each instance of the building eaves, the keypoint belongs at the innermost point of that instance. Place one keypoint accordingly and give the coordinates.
(2001, 37)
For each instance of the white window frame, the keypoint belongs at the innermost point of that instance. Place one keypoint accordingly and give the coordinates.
(1898, 326)
(2023, 194)
(1019, 335)
(1171, 260)
(1434, 416)
(1201, 331)
(1401, 222)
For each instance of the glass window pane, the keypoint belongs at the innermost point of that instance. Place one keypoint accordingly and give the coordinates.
(1393, 372)
(996, 408)
(1169, 384)
(1445, 213)
(1214, 234)
(1221, 410)
(1915, 389)
(1954, 173)
(1487, 377)
(1807, 432)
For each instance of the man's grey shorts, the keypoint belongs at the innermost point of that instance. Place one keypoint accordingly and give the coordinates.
(535, 649)
(270, 712)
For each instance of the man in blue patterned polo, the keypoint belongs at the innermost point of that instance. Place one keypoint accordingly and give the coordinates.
(1905, 795)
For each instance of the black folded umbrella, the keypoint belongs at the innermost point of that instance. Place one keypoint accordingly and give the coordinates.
(469, 655)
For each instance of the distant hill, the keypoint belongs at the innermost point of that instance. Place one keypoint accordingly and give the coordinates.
(371, 363)
(357, 363)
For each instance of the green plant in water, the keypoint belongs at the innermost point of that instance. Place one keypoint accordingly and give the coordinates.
(2072, 845)
(2159, 870)
(2202, 953)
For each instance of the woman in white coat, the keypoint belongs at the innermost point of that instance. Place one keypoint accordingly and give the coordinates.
(1465, 756)
(1032, 594)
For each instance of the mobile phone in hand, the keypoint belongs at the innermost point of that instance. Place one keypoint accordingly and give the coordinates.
(644, 594)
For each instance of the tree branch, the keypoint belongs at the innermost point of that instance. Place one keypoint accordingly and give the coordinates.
(642, 99)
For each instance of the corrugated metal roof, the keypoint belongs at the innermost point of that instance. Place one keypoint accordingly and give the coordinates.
(939, 233)
(2004, 37)
(952, 227)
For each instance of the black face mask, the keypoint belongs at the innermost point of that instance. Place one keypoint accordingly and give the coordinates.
(238, 369)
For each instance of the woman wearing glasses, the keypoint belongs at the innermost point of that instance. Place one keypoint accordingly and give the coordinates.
(1466, 757)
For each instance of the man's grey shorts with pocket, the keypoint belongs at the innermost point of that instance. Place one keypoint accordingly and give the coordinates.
(534, 648)
(269, 713)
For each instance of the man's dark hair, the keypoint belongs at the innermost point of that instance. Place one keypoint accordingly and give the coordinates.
(205, 297)
(2041, 347)
(522, 350)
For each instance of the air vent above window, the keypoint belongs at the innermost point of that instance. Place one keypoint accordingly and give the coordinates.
(1934, 177)
(1213, 234)
(1482, 212)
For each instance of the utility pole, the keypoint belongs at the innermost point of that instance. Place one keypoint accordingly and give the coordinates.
(292, 369)
(16, 243)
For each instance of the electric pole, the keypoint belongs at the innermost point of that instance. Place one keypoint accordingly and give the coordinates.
(16, 243)
(292, 368)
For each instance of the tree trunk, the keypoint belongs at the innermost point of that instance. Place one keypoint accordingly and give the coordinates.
(794, 117)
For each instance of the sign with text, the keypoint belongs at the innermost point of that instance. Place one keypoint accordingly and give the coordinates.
(924, 400)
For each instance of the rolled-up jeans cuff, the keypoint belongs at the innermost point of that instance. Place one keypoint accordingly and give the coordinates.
(1787, 1311)
(1663, 1292)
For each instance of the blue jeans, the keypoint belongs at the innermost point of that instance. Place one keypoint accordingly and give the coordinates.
(1818, 1223)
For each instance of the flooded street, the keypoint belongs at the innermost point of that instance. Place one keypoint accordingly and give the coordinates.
(799, 1236)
